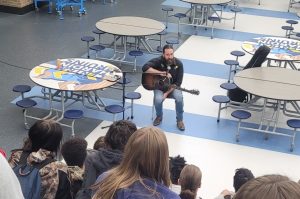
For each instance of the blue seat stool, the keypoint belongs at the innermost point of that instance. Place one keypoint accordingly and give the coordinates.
(295, 124)
(213, 20)
(240, 115)
(73, 115)
(135, 53)
(228, 86)
(179, 16)
(172, 42)
(220, 99)
(88, 39)
(21, 89)
(167, 10)
(288, 30)
(235, 9)
(159, 48)
(231, 63)
(132, 96)
(97, 48)
(25, 104)
(114, 109)
(237, 54)
(99, 33)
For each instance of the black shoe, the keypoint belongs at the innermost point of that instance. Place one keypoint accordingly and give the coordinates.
(157, 121)
(180, 125)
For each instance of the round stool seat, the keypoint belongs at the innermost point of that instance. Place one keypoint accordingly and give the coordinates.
(21, 88)
(98, 32)
(135, 53)
(180, 15)
(169, 9)
(73, 114)
(87, 38)
(97, 47)
(235, 9)
(287, 27)
(292, 22)
(221, 99)
(241, 114)
(114, 109)
(293, 123)
(228, 86)
(26, 103)
(164, 32)
(298, 34)
(133, 95)
(231, 62)
(172, 41)
(237, 53)
(211, 18)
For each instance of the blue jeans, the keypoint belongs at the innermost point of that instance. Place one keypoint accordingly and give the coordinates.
(158, 103)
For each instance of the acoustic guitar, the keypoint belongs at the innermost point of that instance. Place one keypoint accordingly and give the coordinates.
(152, 81)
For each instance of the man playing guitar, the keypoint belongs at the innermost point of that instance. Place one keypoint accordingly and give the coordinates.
(170, 67)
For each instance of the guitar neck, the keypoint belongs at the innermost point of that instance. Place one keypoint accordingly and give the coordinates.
(194, 92)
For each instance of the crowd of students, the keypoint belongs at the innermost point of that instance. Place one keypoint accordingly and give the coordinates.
(126, 163)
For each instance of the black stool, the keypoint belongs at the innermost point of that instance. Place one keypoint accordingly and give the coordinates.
(167, 10)
(295, 124)
(114, 109)
(240, 115)
(88, 39)
(231, 63)
(221, 99)
(135, 53)
(132, 96)
(73, 115)
(213, 20)
(21, 89)
(97, 48)
(26, 104)
(99, 33)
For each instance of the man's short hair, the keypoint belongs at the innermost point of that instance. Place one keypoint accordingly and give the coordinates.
(74, 151)
(176, 165)
(119, 133)
(241, 176)
(167, 46)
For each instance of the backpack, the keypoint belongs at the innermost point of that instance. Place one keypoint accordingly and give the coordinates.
(29, 176)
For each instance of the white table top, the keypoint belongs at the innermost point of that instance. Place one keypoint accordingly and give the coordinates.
(130, 26)
(75, 74)
(283, 49)
(270, 82)
(207, 2)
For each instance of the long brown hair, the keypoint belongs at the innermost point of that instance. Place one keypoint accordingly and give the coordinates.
(190, 181)
(145, 156)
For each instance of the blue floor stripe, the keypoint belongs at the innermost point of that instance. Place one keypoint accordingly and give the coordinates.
(245, 10)
(196, 126)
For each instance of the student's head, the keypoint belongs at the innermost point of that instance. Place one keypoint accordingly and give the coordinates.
(176, 165)
(44, 134)
(190, 181)
(118, 134)
(269, 187)
(168, 53)
(145, 156)
(240, 177)
(74, 151)
(99, 143)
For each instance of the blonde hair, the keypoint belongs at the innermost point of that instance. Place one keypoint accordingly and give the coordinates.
(145, 156)
(190, 181)
(269, 187)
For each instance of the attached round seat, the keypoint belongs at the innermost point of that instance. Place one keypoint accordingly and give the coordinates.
(88, 39)
(295, 124)
(241, 114)
(220, 99)
(172, 41)
(99, 33)
(21, 89)
(179, 16)
(288, 30)
(167, 10)
(97, 48)
(228, 86)
(73, 114)
(132, 96)
(135, 53)
(160, 34)
(26, 103)
(213, 19)
(237, 54)
(235, 9)
(114, 109)
(231, 63)
(291, 22)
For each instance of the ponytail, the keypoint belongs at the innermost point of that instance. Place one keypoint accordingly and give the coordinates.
(187, 194)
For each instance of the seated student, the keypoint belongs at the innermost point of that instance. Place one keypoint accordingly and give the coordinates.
(99, 143)
(241, 176)
(143, 172)
(176, 165)
(74, 153)
(269, 186)
(42, 144)
(190, 181)
(99, 161)
(9, 183)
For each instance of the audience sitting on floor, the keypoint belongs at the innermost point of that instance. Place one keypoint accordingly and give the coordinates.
(269, 186)
(241, 176)
(42, 144)
(190, 182)
(74, 153)
(143, 172)
(103, 159)
(9, 183)
(99, 143)
(176, 165)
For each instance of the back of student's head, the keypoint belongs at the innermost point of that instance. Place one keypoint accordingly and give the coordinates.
(119, 133)
(176, 165)
(269, 187)
(74, 151)
(145, 156)
(44, 134)
(99, 143)
(241, 176)
(190, 181)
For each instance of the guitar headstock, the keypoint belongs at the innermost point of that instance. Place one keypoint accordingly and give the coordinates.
(194, 92)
